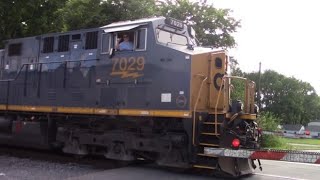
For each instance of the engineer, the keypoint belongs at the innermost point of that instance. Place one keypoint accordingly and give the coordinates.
(126, 44)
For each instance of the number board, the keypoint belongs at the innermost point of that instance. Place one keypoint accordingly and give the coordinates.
(174, 23)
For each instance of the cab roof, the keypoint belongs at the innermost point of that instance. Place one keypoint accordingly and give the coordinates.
(138, 21)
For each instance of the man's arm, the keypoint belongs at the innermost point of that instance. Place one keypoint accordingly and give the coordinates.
(118, 43)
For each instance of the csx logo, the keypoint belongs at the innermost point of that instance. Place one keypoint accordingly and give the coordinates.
(128, 67)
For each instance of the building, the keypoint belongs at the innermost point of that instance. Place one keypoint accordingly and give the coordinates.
(291, 130)
(314, 128)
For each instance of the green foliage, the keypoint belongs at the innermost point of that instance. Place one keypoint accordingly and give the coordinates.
(78, 14)
(27, 18)
(268, 121)
(274, 142)
(237, 85)
(213, 26)
(293, 100)
(303, 141)
(237, 90)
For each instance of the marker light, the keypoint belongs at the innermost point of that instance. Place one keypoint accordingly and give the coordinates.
(235, 143)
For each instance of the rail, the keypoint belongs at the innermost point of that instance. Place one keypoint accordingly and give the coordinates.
(53, 62)
(8, 81)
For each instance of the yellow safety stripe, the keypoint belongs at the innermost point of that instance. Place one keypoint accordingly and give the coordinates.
(2, 107)
(244, 116)
(162, 113)
(101, 111)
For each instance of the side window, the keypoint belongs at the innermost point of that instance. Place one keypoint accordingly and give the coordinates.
(15, 49)
(105, 44)
(63, 44)
(1, 61)
(48, 44)
(76, 37)
(141, 37)
(91, 40)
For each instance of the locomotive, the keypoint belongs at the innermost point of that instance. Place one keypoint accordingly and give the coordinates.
(166, 100)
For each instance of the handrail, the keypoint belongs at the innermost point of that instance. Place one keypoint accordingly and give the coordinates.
(53, 62)
(195, 107)
(246, 91)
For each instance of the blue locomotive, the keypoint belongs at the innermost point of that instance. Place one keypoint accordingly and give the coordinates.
(129, 90)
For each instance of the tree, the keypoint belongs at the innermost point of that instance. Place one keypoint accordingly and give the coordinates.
(268, 121)
(293, 100)
(214, 26)
(26, 18)
(79, 14)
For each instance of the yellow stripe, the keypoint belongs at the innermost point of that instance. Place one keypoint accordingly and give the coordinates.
(2, 107)
(105, 111)
(248, 116)
(219, 112)
(244, 116)
(29, 108)
(101, 111)
(162, 113)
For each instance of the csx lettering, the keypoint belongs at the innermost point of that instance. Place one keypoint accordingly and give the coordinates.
(130, 67)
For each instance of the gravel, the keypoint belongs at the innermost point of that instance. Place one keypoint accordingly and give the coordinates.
(20, 164)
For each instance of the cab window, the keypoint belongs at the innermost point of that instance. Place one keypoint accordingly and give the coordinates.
(141, 42)
(125, 41)
(169, 37)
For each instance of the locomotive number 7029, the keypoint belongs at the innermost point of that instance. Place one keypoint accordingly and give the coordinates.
(128, 67)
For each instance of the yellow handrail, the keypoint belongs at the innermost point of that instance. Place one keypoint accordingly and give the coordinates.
(249, 94)
(195, 108)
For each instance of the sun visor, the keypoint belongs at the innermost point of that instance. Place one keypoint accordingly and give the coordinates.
(122, 28)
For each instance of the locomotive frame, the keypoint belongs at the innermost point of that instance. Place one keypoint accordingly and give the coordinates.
(164, 101)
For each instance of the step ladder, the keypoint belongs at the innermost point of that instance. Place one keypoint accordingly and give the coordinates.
(207, 136)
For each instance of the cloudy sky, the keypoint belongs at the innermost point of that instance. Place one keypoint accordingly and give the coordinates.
(284, 35)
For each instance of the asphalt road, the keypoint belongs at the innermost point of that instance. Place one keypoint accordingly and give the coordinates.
(30, 165)
(271, 170)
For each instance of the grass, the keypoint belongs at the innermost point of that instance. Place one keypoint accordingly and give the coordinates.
(292, 147)
(303, 141)
(276, 142)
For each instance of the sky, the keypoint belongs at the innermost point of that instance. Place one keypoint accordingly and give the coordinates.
(284, 35)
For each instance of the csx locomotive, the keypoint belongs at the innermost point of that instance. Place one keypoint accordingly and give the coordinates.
(166, 100)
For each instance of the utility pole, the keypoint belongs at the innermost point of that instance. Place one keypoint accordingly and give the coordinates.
(259, 96)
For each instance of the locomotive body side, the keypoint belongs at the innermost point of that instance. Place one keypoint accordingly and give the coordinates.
(164, 101)
(88, 81)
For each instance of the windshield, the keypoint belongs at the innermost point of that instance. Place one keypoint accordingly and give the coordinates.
(170, 37)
